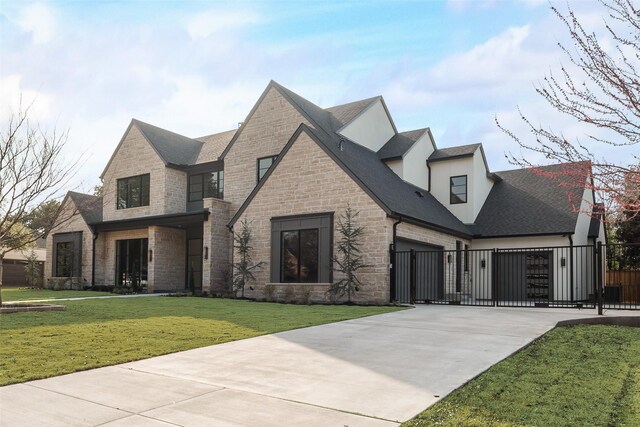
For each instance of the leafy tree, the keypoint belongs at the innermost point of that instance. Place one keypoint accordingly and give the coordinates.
(601, 91)
(348, 260)
(40, 219)
(243, 269)
(98, 190)
(32, 170)
(33, 270)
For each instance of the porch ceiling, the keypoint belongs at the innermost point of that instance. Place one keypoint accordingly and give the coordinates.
(180, 220)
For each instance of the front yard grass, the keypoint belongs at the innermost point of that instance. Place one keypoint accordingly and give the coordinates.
(23, 294)
(102, 332)
(572, 376)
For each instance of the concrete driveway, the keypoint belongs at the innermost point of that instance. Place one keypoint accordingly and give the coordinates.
(374, 371)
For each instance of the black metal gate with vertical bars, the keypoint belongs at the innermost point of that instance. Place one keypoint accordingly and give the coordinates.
(567, 276)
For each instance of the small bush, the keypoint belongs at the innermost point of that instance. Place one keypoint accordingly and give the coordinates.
(269, 291)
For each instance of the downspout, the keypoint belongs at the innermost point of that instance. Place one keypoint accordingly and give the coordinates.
(428, 177)
(392, 288)
(93, 259)
(571, 263)
(231, 252)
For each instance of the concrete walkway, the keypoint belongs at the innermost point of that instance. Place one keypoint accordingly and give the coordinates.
(374, 371)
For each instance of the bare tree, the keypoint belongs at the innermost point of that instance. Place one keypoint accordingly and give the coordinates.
(601, 90)
(32, 170)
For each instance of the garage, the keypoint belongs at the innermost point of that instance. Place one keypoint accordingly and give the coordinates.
(524, 276)
(428, 265)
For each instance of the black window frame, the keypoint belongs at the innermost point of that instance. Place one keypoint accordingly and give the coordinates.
(323, 222)
(126, 185)
(205, 190)
(454, 198)
(261, 172)
(71, 258)
(299, 276)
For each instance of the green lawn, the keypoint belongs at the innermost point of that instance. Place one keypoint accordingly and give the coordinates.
(101, 332)
(23, 294)
(572, 376)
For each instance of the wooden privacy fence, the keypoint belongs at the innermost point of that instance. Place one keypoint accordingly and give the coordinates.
(623, 286)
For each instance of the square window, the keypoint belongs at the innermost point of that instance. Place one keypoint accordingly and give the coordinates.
(133, 192)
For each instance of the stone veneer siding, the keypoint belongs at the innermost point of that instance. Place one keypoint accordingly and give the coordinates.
(167, 269)
(265, 134)
(74, 224)
(136, 157)
(106, 253)
(308, 181)
(216, 270)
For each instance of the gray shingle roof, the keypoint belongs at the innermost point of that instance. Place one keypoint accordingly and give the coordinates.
(214, 145)
(399, 144)
(452, 152)
(534, 201)
(171, 147)
(89, 207)
(347, 112)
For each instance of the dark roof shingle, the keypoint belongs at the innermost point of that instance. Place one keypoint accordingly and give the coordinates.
(452, 152)
(347, 112)
(399, 144)
(89, 207)
(172, 148)
(533, 201)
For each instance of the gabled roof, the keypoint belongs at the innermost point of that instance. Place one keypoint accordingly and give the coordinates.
(214, 145)
(597, 216)
(533, 201)
(173, 148)
(399, 144)
(453, 152)
(347, 112)
(89, 207)
(395, 196)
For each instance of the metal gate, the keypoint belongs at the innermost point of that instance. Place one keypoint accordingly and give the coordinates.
(567, 276)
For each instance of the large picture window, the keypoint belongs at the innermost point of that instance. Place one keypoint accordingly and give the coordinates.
(133, 192)
(203, 185)
(67, 254)
(458, 189)
(301, 248)
(263, 166)
(299, 256)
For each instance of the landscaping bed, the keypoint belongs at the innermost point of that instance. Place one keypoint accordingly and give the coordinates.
(585, 375)
(101, 332)
(29, 294)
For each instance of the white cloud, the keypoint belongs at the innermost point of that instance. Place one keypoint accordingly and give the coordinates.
(204, 24)
(15, 97)
(40, 20)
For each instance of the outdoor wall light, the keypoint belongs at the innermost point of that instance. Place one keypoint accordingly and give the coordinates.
(563, 262)
(483, 263)
(150, 255)
(206, 252)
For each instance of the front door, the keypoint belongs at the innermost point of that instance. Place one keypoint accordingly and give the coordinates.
(131, 264)
(194, 265)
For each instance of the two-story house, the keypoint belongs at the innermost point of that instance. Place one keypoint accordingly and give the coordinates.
(171, 203)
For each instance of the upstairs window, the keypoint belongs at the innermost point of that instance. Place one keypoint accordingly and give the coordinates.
(210, 184)
(458, 190)
(133, 192)
(264, 164)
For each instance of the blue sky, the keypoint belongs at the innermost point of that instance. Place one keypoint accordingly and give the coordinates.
(198, 67)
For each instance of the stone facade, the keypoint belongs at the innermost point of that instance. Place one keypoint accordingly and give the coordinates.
(71, 221)
(167, 270)
(264, 134)
(308, 181)
(216, 270)
(135, 157)
(106, 253)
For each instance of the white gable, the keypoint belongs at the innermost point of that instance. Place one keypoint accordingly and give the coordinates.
(372, 128)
